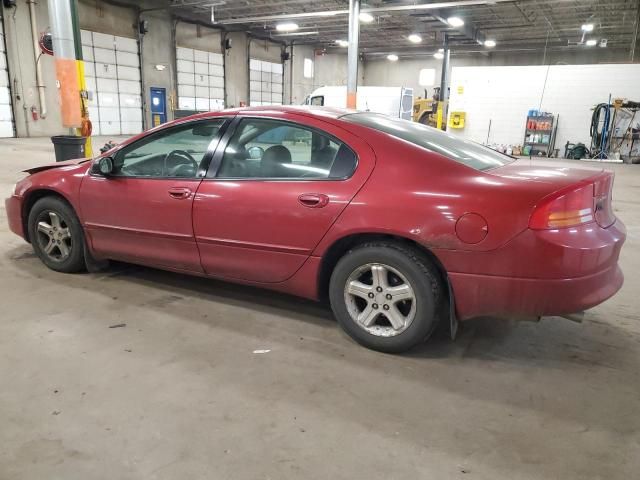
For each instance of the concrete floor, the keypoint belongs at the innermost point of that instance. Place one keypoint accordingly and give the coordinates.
(180, 394)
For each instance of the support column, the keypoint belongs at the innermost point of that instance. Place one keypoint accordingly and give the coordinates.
(291, 69)
(634, 42)
(444, 86)
(67, 50)
(352, 54)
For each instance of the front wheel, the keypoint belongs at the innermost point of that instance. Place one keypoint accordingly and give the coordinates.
(386, 296)
(56, 235)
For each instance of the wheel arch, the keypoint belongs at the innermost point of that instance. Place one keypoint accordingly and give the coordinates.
(31, 198)
(342, 245)
(424, 117)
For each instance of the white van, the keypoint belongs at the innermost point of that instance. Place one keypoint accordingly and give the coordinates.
(394, 101)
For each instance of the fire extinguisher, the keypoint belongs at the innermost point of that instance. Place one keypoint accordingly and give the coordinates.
(34, 113)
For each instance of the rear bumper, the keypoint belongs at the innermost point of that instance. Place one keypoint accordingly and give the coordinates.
(13, 206)
(480, 295)
(540, 273)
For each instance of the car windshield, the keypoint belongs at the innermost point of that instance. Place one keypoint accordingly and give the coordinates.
(468, 153)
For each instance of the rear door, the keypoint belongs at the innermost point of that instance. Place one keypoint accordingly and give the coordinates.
(142, 212)
(274, 188)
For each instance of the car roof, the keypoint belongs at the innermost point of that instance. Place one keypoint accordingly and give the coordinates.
(309, 110)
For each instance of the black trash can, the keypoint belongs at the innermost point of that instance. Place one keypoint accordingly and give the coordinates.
(68, 147)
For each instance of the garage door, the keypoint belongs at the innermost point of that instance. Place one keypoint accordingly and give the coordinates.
(112, 71)
(200, 80)
(6, 114)
(265, 83)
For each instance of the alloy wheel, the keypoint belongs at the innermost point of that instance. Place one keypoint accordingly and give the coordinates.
(54, 236)
(380, 299)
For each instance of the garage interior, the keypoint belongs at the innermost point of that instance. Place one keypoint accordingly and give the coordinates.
(137, 373)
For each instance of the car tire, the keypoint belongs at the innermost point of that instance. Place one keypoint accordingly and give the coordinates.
(408, 290)
(56, 235)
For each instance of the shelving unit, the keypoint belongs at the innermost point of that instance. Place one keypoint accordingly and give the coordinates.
(539, 134)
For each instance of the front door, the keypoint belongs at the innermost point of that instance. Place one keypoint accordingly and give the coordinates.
(142, 212)
(278, 188)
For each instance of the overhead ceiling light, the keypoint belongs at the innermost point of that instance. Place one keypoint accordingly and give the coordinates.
(587, 27)
(160, 67)
(342, 43)
(490, 43)
(392, 57)
(455, 21)
(295, 34)
(592, 42)
(441, 50)
(438, 55)
(414, 38)
(365, 17)
(287, 27)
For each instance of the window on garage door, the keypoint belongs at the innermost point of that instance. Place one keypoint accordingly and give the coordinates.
(200, 80)
(112, 71)
(265, 83)
(6, 114)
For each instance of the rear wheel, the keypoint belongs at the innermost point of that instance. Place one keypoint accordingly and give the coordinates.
(56, 235)
(386, 296)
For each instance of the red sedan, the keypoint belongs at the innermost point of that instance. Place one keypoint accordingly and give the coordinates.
(397, 224)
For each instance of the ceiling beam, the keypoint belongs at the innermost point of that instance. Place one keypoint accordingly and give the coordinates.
(334, 13)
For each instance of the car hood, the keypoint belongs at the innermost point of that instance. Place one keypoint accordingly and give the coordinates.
(66, 163)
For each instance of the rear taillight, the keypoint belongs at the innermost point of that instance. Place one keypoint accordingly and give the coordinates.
(566, 209)
(604, 212)
(603, 207)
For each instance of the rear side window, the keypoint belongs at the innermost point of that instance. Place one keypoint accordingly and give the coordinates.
(468, 153)
(272, 149)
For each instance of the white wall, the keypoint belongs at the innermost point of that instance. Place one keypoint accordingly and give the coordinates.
(296, 92)
(403, 73)
(503, 95)
(22, 71)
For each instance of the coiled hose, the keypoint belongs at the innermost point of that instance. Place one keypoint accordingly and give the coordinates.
(597, 136)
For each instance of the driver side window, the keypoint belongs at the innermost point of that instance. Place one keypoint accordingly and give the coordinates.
(172, 153)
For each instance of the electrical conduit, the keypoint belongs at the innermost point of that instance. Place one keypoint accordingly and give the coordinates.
(36, 49)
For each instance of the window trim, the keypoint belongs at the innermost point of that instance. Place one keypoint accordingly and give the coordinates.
(216, 161)
(203, 165)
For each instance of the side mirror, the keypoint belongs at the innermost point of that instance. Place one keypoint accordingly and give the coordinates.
(255, 153)
(105, 166)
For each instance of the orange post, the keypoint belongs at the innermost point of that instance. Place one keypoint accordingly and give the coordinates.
(70, 103)
(351, 100)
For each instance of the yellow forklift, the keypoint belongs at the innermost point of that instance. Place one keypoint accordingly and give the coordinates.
(427, 110)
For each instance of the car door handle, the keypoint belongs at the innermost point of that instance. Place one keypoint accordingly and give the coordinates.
(313, 200)
(179, 193)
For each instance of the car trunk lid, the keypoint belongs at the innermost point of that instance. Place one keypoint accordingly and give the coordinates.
(555, 183)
